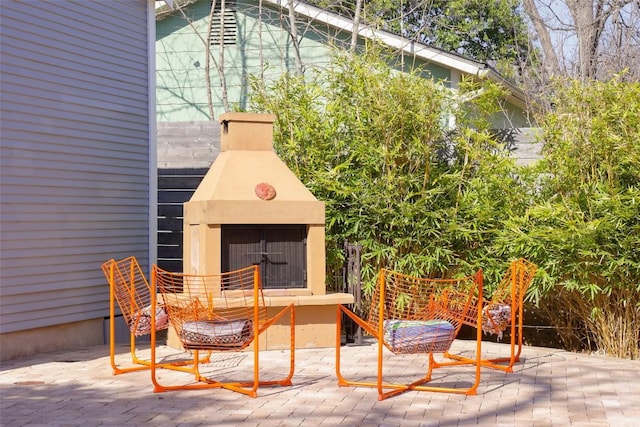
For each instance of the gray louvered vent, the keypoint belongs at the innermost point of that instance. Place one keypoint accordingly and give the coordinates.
(229, 24)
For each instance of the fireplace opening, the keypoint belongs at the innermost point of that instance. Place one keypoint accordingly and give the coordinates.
(279, 250)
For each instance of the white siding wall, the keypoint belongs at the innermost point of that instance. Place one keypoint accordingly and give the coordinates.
(74, 145)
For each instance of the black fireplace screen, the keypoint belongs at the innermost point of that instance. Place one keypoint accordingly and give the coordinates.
(279, 250)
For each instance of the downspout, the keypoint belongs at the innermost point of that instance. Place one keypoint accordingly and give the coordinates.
(152, 128)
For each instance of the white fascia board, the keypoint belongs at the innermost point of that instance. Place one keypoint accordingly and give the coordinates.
(160, 3)
(436, 56)
(516, 96)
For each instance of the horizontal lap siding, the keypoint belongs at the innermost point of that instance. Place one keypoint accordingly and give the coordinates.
(74, 155)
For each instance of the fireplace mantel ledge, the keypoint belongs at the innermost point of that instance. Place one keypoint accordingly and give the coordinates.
(298, 300)
(277, 299)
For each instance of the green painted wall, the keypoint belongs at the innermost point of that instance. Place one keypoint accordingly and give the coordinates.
(180, 59)
(511, 117)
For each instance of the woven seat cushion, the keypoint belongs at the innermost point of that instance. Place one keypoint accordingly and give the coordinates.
(216, 334)
(416, 336)
(140, 322)
(496, 318)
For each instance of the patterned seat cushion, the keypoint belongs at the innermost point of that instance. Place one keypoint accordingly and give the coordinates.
(140, 322)
(217, 334)
(418, 336)
(496, 318)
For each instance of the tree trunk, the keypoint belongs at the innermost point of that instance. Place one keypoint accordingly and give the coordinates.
(260, 41)
(223, 80)
(586, 25)
(356, 26)
(550, 59)
(293, 30)
(207, 62)
(208, 59)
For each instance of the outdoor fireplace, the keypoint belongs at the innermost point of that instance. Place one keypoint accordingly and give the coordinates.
(251, 209)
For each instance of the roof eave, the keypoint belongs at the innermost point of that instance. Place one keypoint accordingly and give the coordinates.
(516, 96)
(430, 54)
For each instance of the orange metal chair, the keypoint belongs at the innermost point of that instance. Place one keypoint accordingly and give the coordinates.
(129, 287)
(410, 315)
(219, 312)
(504, 310)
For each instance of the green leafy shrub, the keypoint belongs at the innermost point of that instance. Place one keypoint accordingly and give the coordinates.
(584, 229)
(423, 199)
(373, 143)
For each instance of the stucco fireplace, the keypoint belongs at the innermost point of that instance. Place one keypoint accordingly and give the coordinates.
(250, 208)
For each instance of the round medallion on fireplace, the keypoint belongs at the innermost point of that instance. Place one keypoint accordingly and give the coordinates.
(265, 191)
